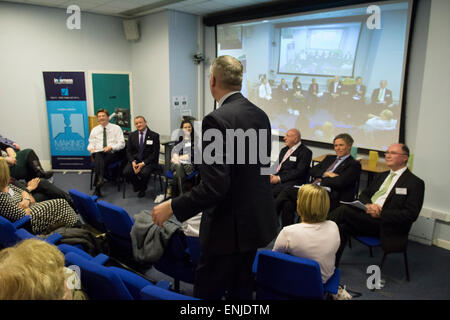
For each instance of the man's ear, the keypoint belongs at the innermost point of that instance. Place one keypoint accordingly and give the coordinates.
(213, 81)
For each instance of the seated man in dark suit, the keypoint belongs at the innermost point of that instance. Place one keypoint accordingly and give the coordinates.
(337, 173)
(340, 172)
(393, 202)
(142, 154)
(293, 163)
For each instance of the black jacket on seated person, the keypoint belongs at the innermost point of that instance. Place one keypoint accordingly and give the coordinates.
(400, 209)
(150, 153)
(343, 187)
(295, 169)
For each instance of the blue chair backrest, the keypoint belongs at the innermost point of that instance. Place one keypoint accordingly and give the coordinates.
(99, 282)
(282, 276)
(116, 219)
(8, 235)
(153, 292)
(87, 208)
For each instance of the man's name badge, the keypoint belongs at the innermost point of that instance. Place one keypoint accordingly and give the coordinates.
(149, 141)
(400, 191)
(292, 158)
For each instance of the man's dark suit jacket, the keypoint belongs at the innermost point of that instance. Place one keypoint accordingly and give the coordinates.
(150, 154)
(362, 89)
(338, 88)
(343, 186)
(399, 210)
(295, 172)
(387, 96)
(236, 200)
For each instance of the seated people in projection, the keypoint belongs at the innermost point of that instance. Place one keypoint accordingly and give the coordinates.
(313, 92)
(297, 97)
(283, 91)
(382, 96)
(384, 121)
(359, 91)
(264, 91)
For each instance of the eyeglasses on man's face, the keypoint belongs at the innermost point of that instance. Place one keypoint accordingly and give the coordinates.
(393, 153)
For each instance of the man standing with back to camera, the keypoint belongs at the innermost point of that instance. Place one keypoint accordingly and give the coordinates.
(236, 199)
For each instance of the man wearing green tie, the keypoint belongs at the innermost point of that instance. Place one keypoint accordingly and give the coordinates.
(105, 142)
(393, 202)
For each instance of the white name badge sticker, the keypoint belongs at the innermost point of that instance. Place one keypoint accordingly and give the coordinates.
(187, 145)
(400, 191)
(149, 141)
(292, 158)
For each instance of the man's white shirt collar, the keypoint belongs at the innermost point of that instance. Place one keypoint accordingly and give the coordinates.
(221, 101)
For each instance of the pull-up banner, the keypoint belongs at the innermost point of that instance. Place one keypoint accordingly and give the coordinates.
(67, 119)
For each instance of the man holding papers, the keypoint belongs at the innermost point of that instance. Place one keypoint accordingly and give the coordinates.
(392, 203)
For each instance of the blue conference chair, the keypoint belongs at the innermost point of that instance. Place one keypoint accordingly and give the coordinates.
(157, 293)
(169, 176)
(88, 209)
(180, 259)
(12, 233)
(376, 242)
(118, 225)
(280, 276)
(108, 283)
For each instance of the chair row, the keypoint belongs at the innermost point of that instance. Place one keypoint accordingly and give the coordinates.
(180, 257)
(100, 282)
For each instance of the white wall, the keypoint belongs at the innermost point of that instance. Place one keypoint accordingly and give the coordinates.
(35, 39)
(150, 67)
(183, 43)
(432, 133)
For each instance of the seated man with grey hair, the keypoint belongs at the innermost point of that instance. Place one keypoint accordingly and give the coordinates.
(292, 165)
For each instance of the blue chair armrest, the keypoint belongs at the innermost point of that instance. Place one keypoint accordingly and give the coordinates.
(332, 285)
(53, 238)
(164, 284)
(153, 292)
(23, 234)
(100, 259)
(21, 221)
(132, 281)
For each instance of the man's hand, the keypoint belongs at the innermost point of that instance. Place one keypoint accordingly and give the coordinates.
(91, 150)
(162, 213)
(107, 149)
(33, 184)
(330, 174)
(139, 167)
(16, 146)
(274, 179)
(374, 210)
(11, 161)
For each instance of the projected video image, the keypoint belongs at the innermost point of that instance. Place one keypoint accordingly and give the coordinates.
(325, 49)
(326, 73)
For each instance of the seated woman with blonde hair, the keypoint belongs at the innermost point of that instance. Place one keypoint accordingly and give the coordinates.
(34, 270)
(315, 237)
(46, 216)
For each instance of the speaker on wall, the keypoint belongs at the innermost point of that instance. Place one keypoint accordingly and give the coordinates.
(131, 29)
